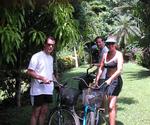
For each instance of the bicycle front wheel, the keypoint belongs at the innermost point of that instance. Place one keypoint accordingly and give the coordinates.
(90, 118)
(63, 117)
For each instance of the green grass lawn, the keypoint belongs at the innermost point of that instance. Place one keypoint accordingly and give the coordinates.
(133, 101)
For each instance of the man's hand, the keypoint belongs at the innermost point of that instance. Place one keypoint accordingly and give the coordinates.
(45, 80)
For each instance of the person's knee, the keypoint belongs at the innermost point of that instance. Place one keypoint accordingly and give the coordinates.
(44, 109)
(112, 108)
(36, 112)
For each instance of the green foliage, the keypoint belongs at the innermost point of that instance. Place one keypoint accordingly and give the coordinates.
(143, 12)
(66, 28)
(37, 37)
(8, 81)
(65, 60)
(11, 34)
(145, 57)
(11, 38)
(93, 18)
(138, 57)
(125, 28)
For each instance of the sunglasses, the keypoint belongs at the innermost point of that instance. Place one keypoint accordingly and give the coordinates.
(50, 44)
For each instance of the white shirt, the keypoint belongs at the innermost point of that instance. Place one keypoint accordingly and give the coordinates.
(42, 64)
(104, 50)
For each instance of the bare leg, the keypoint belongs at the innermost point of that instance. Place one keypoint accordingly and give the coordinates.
(112, 109)
(43, 113)
(35, 115)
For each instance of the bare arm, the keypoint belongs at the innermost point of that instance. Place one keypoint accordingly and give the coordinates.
(35, 75)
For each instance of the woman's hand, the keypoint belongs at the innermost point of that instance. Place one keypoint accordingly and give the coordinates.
(108, 82)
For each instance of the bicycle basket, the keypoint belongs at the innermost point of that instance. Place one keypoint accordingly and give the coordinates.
(69, 96)
(94, 97)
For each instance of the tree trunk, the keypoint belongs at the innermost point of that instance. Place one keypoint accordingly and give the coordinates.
(76, 57)
(18, 91)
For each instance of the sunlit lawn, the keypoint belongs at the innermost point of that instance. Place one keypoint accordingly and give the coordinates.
(133, 102)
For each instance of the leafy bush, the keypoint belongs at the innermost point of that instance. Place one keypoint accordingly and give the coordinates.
(134, 53)
(8, 86)
(65, 63)
(138, 57)
(146, 57)
(65, 60)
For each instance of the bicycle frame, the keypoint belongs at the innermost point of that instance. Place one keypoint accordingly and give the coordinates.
(62, 114)
(85, 113)
(92, 109)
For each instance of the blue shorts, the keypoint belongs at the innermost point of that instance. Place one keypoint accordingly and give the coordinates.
(39, 100)
(115, 87)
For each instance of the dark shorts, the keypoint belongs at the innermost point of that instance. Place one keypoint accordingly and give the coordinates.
(115, 87)
(101, 81)
(39, 100)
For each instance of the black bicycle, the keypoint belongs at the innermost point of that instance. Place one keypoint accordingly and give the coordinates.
(64, 113)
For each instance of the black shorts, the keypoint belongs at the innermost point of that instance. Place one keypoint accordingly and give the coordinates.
(39, 100)
(101, 81)
(115, 87)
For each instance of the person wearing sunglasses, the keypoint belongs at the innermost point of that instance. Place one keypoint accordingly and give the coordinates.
(40, 69)
(113, 61)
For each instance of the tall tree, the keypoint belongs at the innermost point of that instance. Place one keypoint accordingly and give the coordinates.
(126, 28)
(24, 26)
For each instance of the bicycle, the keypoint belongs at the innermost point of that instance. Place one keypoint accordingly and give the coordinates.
(64, 113)
(93, 112)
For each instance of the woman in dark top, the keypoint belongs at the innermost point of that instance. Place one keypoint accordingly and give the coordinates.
(113, 61)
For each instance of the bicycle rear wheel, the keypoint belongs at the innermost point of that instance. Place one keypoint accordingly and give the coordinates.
(62, 116)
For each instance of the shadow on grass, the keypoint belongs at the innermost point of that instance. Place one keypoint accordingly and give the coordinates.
(138, 75)
(127, 100)
(120, 108)
(119, 123)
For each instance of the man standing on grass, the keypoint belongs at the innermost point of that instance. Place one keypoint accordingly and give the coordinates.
(41, 70)
(101, 50)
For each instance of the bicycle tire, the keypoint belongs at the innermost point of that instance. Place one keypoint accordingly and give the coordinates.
(63, 116)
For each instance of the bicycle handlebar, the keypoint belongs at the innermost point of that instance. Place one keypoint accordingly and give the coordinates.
(81, 79)
(55, 82)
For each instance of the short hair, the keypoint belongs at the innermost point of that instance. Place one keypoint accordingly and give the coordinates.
(49, 37)
(98, 37)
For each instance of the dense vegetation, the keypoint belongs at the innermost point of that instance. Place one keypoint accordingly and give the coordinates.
(25, 24)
